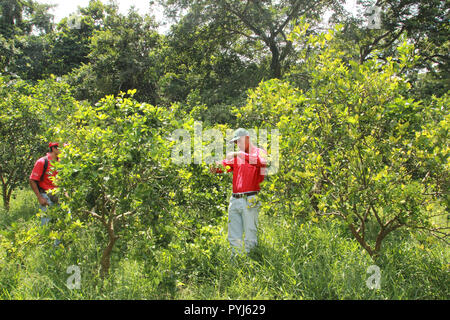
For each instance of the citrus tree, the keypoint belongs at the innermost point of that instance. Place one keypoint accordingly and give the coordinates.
(353, 145)
(115, 167)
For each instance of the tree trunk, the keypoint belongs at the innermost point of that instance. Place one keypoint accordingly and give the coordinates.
(382, 234)
(361, 241)
(106, 256)
(275, 64)
(6, 197)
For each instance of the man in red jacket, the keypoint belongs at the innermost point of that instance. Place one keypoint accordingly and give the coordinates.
(40, 180)
(248, 167)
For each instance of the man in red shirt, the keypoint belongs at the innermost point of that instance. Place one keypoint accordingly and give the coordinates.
(40, 180)
(248, 166)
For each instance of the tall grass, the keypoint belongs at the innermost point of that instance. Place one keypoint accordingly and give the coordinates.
(295, 259)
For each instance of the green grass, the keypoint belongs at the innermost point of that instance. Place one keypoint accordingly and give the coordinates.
(295, 259)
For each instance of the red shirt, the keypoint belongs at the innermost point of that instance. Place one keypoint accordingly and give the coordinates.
(248, 173)
(36, 174)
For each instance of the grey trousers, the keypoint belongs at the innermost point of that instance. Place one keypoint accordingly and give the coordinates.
(243, 219)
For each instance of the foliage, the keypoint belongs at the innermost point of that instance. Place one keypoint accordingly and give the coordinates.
(123, 55)
(26, 113)
(363, 151)
(114, 164)
(18, 21)
(296, 259)
(424, 23)
(353, 146)
(262, 24)
(72, 38)
(200, 69)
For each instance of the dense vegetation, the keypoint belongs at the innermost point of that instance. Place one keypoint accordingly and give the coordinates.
(361, 177)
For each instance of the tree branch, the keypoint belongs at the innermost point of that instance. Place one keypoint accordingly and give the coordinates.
(129, 213)
(377, 217)
(361, 241)
(246, 22)
(97, 216)
(293, 12)
(241, 33)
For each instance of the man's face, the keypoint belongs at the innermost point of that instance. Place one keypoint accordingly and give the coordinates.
(242, 143)
(56, 150)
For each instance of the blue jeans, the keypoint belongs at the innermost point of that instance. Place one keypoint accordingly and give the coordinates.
(46, 220)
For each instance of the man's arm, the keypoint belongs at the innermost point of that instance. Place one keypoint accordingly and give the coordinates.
(35, 188)
(35, 176)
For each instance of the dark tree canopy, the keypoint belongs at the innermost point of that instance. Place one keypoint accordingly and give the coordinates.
(263, 23)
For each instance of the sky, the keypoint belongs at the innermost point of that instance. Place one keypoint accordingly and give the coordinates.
(65, 8)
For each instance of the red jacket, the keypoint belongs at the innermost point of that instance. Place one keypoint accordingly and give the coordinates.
(248, 172)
